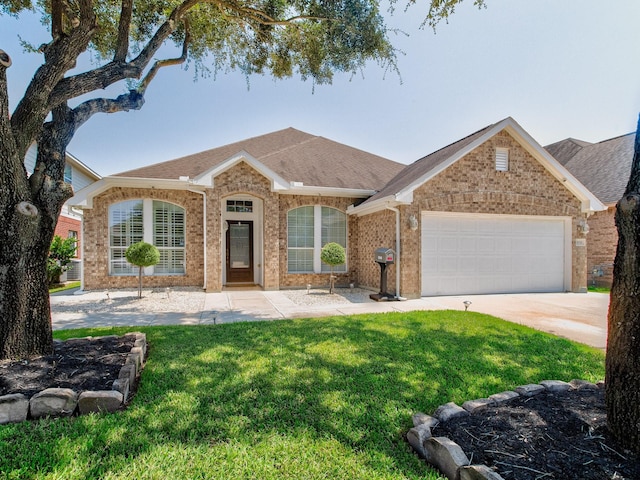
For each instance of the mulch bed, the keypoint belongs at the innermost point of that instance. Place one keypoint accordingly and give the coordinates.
(547, 436)
(79, 364)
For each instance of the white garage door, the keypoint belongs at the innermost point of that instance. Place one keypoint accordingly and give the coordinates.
(477, 254)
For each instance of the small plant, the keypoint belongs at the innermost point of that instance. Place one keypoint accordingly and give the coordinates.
(333, 254)
(60, 254)
(141, 255)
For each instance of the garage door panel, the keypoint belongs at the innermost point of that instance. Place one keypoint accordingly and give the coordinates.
(492, 254)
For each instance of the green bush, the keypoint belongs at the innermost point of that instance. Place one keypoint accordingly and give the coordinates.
(142, 255)
(60, 254)
(333, 254)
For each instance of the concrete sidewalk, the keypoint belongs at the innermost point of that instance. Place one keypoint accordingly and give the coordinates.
(581, 316)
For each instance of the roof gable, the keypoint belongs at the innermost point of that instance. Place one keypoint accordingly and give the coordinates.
(400, 189)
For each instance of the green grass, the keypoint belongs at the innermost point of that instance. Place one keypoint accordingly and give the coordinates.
(324, 398)
(593, 288)
(66, 286)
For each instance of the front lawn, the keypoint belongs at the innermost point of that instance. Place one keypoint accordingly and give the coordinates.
(295, 399)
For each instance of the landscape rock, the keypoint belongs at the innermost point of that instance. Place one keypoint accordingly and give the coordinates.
(99, 401)
(424, 419)
(503, 397)
(122, 385)
(448, 411)
(446, 456)
(556, 385)
(478, 472)
(128, 371)
(579, 384)
(473, 405)
(55, 402)
(530, 390)
(417, 436)
(13, 408)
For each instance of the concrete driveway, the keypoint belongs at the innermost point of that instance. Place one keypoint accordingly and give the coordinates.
(577, 316)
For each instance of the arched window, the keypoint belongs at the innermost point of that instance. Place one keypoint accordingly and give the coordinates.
(308, 230)
(159, 223)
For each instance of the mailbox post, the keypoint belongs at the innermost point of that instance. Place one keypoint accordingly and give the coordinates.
(383, 257)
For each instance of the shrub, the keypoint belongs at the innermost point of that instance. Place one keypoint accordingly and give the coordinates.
(333, 254)
(141, 255)
(60, 254)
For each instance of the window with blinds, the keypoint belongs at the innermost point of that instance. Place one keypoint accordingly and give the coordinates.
(308, 230)
(502, 159)
(165, 224)
(126, 227)
(168, 237)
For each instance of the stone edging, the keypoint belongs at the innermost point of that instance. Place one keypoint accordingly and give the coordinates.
(64, 402)
(446, 455)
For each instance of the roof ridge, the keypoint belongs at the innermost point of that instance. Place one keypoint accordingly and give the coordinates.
(457, 141)
(614, 138)
(289, 147)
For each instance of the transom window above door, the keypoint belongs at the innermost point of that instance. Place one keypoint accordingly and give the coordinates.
(241, 206)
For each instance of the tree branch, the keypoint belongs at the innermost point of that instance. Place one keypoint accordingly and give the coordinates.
(123, 103)
(56, 18)
(122, 47)
(142, 88)
(113, 72)
(60, 56)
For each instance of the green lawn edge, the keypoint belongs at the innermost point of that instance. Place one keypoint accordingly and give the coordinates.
(301, 399)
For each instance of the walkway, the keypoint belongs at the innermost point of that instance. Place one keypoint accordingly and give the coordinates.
(577, 316)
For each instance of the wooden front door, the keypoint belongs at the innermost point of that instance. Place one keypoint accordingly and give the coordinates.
(239, 252)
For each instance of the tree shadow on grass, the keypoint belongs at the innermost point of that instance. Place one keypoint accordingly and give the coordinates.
(337, 392)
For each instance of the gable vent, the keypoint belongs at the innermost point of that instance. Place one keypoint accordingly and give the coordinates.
(502, 159)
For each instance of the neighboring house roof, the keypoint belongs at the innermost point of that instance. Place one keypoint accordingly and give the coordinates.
(295, 156)
(604, 167)
(400, 189)
(564, 150)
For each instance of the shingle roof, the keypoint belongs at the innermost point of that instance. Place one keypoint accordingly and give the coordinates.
(425, 165)
(565, 150)
(604, 167)
(294, 155)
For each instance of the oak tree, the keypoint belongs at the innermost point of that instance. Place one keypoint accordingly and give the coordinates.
(623, 341)
(311, 39)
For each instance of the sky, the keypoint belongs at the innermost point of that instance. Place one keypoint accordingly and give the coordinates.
(560, 68)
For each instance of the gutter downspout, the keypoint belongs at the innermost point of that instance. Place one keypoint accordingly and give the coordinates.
(393, 209)
(204, 231)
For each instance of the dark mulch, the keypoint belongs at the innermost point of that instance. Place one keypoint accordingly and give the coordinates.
(547, 436)
(79, 364)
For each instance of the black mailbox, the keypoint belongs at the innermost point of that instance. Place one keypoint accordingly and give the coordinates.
(383, 257)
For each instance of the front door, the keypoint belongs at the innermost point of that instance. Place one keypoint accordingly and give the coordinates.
(239, 252)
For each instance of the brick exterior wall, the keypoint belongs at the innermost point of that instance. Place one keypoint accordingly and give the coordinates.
(472, 185)
(376, 231)
(601, 247)
(96, 236)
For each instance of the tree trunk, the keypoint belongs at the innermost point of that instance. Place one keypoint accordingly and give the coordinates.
(29, 208)
(623, 344)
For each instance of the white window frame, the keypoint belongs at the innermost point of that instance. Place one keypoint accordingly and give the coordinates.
(318, 266)
(148, 235)
(502, 159)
